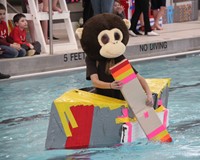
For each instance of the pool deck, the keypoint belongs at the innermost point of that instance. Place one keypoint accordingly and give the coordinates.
(176, 38)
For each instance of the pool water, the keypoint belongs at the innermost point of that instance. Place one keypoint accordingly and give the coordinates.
(25, 105)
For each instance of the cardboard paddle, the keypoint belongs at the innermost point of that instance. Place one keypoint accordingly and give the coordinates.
(136, 98)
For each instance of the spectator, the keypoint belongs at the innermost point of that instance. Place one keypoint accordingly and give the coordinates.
(18, 34)
(8, 48)
(141, 6)
(87, 10)
(158, 8)
(102, 6)
(141, 19)
(26, 9)
(118, 9)
(54, 6)
(45, 26)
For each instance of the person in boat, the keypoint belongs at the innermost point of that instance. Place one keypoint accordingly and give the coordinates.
(104, 38)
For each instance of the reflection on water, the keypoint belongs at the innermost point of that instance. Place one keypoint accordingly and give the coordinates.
(181, 127)
(17, 120)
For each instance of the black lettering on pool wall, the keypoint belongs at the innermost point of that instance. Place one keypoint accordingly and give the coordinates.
(143, 47)
(153, 46)
(74, 56)
(84, 55)
(165, 45)
(65, 58)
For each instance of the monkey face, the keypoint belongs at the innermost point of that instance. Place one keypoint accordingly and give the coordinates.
(111, 43)
(104, 36)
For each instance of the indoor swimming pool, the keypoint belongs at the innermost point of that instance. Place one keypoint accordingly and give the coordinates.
(25, 108)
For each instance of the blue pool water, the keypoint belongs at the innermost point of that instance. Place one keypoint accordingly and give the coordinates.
(25, 105)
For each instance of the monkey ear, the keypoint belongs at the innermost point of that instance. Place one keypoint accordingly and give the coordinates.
(127, 22)
(79, 32)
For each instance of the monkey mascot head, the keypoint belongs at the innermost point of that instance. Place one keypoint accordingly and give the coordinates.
(104, 36)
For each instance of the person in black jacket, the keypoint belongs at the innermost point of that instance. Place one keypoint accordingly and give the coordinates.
(87, 10)
(141, 6)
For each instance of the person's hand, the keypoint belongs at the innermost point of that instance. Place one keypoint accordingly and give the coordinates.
(16, 46)
(149, 100)
(116, 85)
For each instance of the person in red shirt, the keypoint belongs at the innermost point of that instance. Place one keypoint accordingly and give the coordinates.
(26, 9)
(18, 34)
(118, 9)
(8, 48)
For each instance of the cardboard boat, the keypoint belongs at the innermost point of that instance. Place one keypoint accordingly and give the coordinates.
(81, 119)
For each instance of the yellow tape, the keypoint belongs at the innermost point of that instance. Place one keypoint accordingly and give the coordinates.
(122, 120)
(65, 113)
(79, 97)
(158, 85)
(160, 109)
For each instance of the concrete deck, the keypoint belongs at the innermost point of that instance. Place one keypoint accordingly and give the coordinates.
(175, 38)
